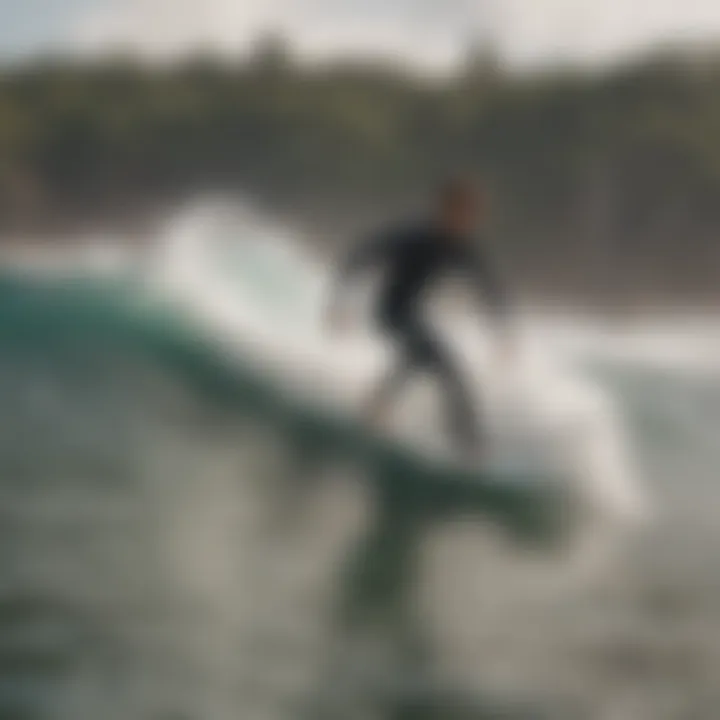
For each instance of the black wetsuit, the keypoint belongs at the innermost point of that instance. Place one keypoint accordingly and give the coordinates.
(414, 258)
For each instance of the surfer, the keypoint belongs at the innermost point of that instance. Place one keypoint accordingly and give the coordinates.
(413, 258)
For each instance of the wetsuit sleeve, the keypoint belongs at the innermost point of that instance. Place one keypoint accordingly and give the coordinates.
(487, 282)
(363, 257)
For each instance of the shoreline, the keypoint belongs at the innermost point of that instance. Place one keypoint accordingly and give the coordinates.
(138, 226)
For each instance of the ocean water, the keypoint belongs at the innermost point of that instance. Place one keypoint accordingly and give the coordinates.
(167, 555)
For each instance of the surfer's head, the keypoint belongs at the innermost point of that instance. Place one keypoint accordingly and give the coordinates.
(460, 204)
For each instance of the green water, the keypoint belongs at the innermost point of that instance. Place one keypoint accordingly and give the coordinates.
(179, 540)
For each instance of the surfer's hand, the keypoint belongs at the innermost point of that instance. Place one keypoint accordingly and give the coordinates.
(337, 321)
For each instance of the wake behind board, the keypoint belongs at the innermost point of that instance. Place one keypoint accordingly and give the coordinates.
(529, 503)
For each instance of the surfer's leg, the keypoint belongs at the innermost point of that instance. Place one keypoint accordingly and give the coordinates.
(385, 393)
(461, 417)
(398, 330)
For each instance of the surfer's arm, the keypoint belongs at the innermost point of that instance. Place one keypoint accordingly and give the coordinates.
(366, 255)
(490, 289)
(361, 258)
(488, 286)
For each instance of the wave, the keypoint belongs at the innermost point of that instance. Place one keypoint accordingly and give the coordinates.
(229, 302)
(191, 395)
(56, 320)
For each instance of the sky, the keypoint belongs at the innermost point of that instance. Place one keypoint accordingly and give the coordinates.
(432, 33)
(29, 25)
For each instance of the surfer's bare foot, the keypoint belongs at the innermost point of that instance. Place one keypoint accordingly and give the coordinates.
(376, 417)
(377, 411)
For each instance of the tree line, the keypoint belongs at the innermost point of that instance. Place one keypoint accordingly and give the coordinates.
(604, 185)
